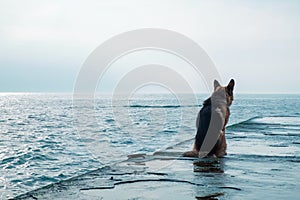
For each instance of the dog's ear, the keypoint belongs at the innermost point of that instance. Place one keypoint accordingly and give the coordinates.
(230, 86)
(216, 84)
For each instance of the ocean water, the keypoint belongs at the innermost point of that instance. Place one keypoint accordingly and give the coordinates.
(45, 139)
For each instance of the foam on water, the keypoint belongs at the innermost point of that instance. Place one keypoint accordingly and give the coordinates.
(266, 136)
(279, 120)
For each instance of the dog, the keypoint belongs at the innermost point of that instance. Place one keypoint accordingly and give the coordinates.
(211, 122)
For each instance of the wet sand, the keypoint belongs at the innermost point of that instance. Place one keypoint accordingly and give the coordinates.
(168, 175)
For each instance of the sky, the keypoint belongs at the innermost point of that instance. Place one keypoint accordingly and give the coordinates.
(43, 44)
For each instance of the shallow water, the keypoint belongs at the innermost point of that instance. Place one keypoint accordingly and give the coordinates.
(42, 141)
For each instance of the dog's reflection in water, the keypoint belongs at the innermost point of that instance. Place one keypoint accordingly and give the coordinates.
(206, 165)
(209, 166)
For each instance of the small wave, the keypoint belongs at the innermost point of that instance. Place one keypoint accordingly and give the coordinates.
(281, 134)
(243, 122)
(160, 106)
(296, 142)
(278, 145)
(147, 106)
(258, 122)
(278, 120)
(257, 157)
(168, 131)
(109, 120)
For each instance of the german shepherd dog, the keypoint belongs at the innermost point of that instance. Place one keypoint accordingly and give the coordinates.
(211, 123)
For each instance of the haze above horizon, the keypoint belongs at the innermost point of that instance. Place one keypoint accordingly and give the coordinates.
(45, 43)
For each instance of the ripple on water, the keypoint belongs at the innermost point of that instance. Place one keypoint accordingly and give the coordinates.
(44, 122)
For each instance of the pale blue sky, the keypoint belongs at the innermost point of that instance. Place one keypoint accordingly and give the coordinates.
(44, 43)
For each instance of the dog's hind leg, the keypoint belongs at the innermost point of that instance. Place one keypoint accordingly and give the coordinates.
(193, 153)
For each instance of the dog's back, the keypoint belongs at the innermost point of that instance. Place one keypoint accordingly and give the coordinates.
(202, 124)
(217, 108)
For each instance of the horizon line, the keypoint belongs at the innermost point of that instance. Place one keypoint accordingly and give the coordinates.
(245, 93)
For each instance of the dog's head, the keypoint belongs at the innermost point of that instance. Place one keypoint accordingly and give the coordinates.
(221, 92)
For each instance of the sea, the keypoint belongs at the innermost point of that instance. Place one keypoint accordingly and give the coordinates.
(46, 138)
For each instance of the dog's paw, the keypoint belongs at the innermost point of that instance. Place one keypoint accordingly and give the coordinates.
(190, 154)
